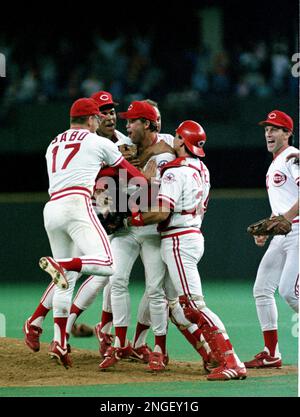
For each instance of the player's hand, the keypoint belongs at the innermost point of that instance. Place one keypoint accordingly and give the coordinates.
(157, 149)
(135, 162)
(260, 240)
(150, 170)
(128, 151)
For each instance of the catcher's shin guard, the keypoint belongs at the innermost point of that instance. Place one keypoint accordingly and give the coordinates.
(221, 349)
(198, 345)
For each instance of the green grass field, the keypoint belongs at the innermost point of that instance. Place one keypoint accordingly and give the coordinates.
(232, 301)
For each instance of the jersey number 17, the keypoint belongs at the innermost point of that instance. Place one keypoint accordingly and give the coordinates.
(74, 149)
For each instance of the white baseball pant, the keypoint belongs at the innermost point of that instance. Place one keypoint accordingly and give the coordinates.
(182, 253)
(279, 268)
(74, 230)
(127, 246)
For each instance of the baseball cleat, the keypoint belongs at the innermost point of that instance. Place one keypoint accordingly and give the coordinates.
(105, 340)
(56, 272)
(113, 355)
(60, 354)
(264, 360)
(32, 336)
(225, 373)
(210, 366)
(141, 353)
(157, 362)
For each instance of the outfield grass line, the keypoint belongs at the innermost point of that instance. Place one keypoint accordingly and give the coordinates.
(250, 387)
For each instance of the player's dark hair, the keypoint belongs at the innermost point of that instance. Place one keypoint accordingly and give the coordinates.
(291, 137)
(107, 107)
(152, 125)
(291, 140)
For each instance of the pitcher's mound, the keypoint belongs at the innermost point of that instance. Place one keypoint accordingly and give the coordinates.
(21, 367)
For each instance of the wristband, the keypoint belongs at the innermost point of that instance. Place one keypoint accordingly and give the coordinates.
(137, 219)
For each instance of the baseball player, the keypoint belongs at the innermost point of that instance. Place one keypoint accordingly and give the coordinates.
(140, 349)
(89, 289)
(74, 159)
(179, 214)
(279, 267)
(92, 285)
(128, 244)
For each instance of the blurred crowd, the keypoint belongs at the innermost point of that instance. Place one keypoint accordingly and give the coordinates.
(133, 68)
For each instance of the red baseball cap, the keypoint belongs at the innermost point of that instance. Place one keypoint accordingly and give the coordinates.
(278, 118)
(84, 107)
(139, 109)
(104, 98)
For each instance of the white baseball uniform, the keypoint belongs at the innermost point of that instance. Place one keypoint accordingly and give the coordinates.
(74, 159)
(279, 267)
(185, 189)
(122, 139)
(127, 245)
(90, 288)
(92, 285)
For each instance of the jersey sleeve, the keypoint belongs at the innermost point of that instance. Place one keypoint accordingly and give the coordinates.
(293, 167)
(112, 155)
(170, 188)
(122, 139)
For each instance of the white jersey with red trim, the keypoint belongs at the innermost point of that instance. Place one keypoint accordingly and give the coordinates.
(163, 158)
(283, 182)
(169, 139)
(75, 157)
(125, 140)
(185, 190)
(122, 139)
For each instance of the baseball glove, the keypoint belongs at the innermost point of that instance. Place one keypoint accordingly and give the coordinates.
(277, 225)
(128, 151)
(82, 330)
(112, 222)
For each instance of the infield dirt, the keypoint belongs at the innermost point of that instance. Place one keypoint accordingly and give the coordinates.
(21, 367)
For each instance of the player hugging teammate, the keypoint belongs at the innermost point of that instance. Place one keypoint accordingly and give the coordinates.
(166, 235)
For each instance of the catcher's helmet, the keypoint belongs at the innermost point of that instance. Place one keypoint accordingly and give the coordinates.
(193, 135)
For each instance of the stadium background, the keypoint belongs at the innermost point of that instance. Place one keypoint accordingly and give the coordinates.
(224, 64)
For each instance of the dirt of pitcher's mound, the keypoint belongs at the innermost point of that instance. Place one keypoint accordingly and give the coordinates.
(21, 367)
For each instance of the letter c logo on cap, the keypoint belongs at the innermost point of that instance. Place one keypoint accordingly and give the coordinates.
(272, 116)
(104, 97)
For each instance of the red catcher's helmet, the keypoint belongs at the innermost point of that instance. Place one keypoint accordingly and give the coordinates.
(193, 135)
